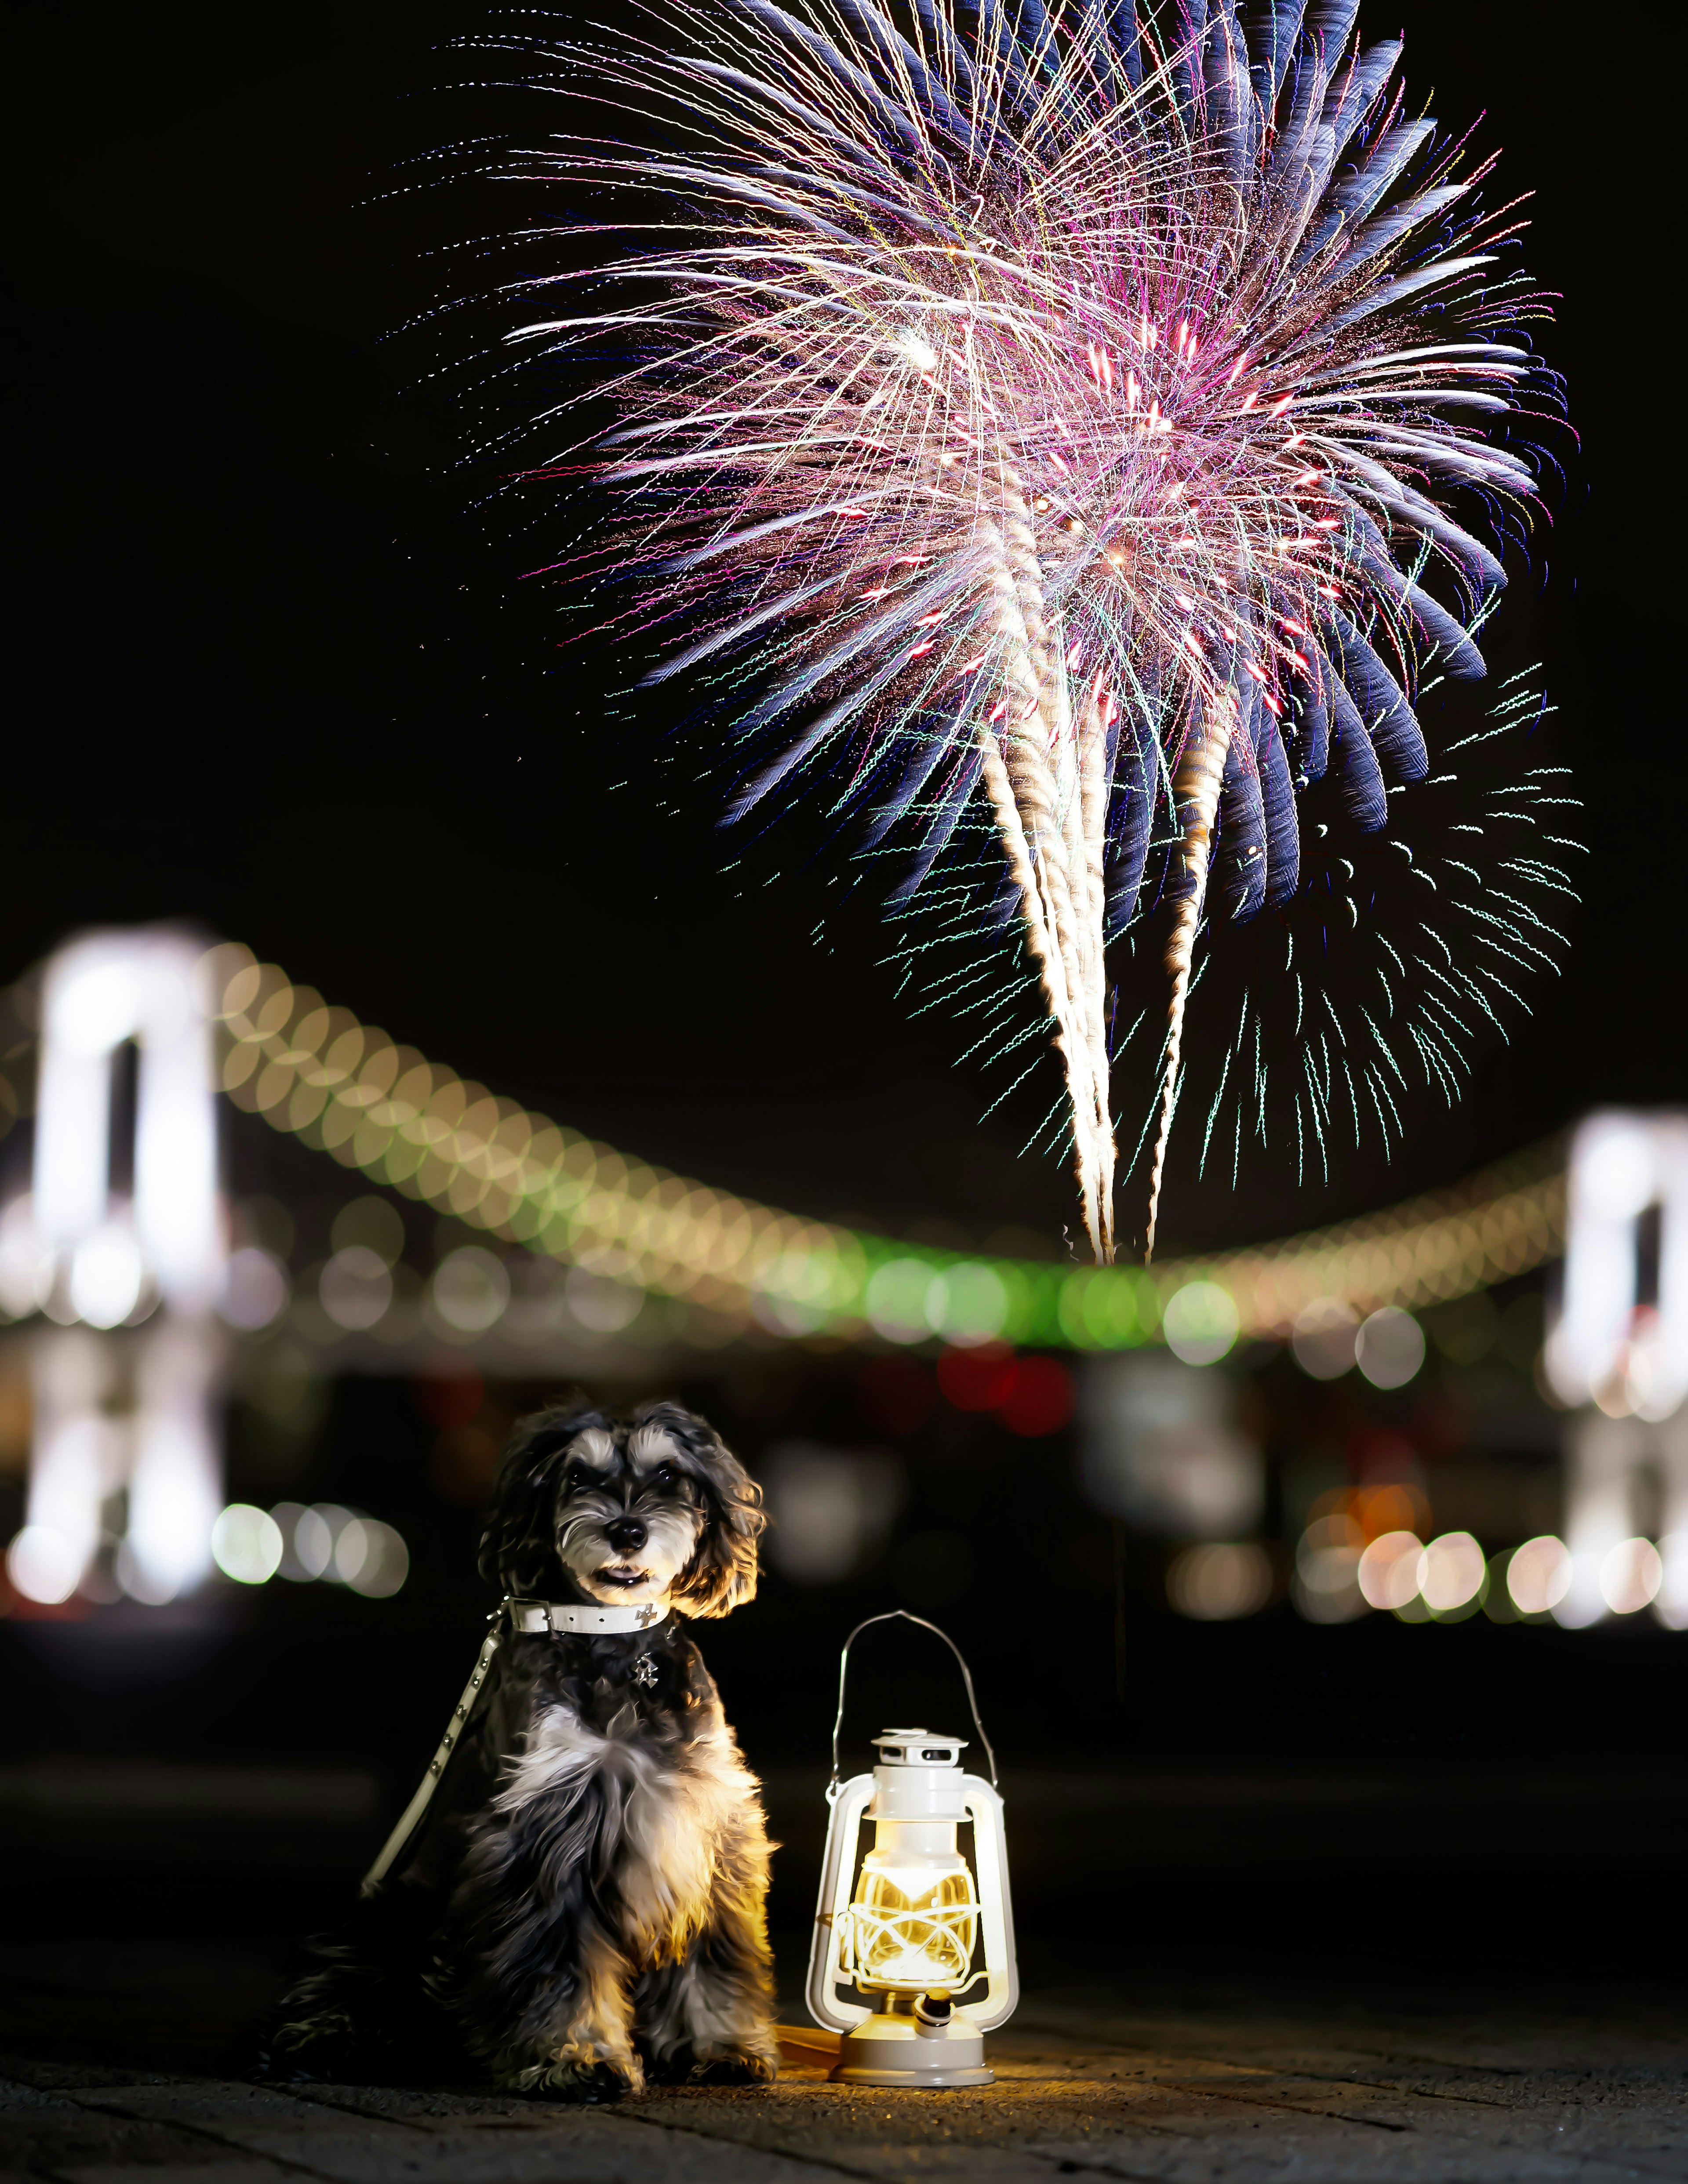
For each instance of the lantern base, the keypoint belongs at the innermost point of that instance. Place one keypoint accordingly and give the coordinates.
(888, 2051)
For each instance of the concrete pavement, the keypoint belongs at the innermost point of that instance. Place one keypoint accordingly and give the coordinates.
(1232, 2093)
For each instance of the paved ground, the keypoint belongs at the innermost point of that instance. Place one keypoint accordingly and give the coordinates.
(1236, 2091)
(1308, 1983)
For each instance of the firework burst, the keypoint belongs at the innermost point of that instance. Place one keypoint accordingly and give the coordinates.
(1050, 419)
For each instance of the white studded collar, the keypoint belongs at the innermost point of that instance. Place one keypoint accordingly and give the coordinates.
(570, 1617)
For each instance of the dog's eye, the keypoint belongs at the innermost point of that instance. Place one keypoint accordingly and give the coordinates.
(665, 1476)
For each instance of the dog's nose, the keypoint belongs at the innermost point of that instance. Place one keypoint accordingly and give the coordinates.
(626, 1534)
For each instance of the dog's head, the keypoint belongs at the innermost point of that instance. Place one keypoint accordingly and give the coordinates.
(650, 1508)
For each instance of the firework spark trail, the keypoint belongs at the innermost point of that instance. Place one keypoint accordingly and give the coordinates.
(1049, 413)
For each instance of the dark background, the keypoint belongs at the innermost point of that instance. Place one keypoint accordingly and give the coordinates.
(270, 669)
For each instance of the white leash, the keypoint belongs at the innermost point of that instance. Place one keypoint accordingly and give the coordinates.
(560, 1619)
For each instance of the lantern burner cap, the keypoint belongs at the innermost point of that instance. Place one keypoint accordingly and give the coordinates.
(919, 1748)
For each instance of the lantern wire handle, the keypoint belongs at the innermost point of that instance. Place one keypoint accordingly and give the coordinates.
(902, 1615)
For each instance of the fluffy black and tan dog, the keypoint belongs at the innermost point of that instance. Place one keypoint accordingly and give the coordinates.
(582, 1908)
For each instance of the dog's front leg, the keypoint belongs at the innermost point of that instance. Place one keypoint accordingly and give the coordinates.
(545, 1992)
(709, 2018)
(587, 2052)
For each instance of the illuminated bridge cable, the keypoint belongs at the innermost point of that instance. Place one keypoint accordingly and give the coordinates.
(347, 1089)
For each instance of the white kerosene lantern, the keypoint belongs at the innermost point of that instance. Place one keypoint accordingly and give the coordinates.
(911, 1930)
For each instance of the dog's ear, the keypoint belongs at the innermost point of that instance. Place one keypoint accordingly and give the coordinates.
(519, 1546)
(721, 1574)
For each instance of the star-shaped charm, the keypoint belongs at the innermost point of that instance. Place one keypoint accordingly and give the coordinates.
(644, 1671)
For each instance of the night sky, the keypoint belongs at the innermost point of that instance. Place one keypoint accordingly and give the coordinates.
(272, 672)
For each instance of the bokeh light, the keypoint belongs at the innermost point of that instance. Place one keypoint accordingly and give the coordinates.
(1389, 1348)
(1388, 1571)
(897, 1300)
(256, 1290)
(600, 1304)
(355, 1288)
(1040, 1400)
(1326, 1588)
(968, 1303)
(1670, 1604)
(1539, 1575)
(1630, 1576)
(371, 1558)
(1582, 1603)
(246, 1544)
(328, 1541)
(977, 1379)
(42, 1566)
(1324, 1337)
(314, 1534)
(470, 1290)
(1451, 1572)
(106, 1277)
(1200, 1323)
(1218, 1580)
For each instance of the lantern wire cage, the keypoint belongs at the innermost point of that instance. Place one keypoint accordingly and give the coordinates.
(925, 1946)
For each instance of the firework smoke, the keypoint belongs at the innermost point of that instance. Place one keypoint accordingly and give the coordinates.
(1053, 415)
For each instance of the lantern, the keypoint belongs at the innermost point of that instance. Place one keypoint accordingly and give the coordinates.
(908, 1927)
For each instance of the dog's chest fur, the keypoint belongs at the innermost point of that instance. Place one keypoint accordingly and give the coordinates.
(634, 1796)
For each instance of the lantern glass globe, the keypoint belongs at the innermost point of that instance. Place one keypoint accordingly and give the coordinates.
(913, 1927)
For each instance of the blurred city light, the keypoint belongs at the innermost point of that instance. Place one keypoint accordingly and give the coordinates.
(601, 1305)
(371, 1558)
(470, 1290)
(256, 1290)
(355, 1288)
(1581, 1603)
(106, 1275)
(246, 1544)
(968, 1303)
(252, 1545)
(99, 994)
(977, 1379)
(42, 1566)
(833, 1509)
(1388, 1347)
(1670, 1604)
(1388, 1570)
(1323, 1338)
(1630, 1576)
(1200, 1323)
(314, 1534)
(1539, 1575)
(897, 1299)
(176, 1466)
(1219, 1581)
(1451, 1574)
(1612, 1346)
(1326, 1588)
(1159, 1449)
(1040, 1400)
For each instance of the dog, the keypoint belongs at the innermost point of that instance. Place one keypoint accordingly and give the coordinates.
(581, 1911)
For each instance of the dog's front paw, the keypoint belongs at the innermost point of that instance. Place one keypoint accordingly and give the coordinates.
(734, 2066)
(582, 2078)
